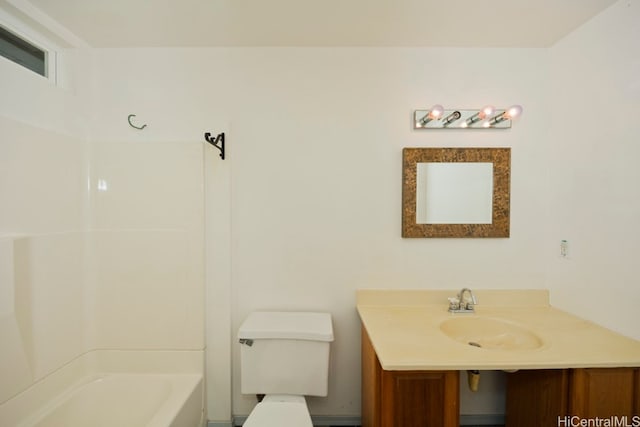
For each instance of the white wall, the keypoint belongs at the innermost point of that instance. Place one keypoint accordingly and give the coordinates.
(318, 135)
(593, 165)
(310, 192)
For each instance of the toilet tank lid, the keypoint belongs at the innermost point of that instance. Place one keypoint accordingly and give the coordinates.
(287, 325)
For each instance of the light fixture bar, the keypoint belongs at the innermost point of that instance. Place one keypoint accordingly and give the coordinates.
(484, 118)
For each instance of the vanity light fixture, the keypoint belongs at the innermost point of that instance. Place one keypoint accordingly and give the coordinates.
(487, 117)
(433, 114)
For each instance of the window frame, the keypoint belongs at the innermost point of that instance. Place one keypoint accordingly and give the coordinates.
(32, 37)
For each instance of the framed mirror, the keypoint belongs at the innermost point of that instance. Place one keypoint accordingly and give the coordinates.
(456, 192)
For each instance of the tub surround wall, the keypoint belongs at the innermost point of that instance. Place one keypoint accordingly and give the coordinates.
(38, 337)
(147, 263)
(101, 243)
(180, 94)
(43, 164)
(69, 293)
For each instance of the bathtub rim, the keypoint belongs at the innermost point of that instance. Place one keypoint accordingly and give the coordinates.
(181, 388)
(17, 409)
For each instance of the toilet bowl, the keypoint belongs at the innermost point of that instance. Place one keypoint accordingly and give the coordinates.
(280, 410)
(285, 356)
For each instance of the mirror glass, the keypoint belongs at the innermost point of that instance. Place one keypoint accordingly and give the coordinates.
(454, 193)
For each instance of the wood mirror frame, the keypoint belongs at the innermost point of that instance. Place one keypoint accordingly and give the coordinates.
(501, 159)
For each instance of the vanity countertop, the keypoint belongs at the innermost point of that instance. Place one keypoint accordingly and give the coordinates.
(404, 329)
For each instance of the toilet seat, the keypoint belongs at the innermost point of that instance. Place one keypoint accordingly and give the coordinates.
(280, 410)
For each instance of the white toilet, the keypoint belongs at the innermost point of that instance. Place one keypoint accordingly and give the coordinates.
(285, 356)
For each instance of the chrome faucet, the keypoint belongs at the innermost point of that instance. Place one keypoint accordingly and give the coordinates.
(463, 303)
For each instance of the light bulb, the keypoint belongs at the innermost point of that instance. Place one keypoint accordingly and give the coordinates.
(513, 112)
(436, 111)
(486, 111)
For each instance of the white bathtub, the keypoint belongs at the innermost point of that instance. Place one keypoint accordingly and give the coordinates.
(125, 400)
(108, 399)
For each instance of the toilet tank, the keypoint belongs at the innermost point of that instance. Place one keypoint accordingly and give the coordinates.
(285, 353)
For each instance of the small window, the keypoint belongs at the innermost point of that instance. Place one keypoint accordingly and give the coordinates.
(20, 51)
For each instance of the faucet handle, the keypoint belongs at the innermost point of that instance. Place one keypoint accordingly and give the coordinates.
(468, 305)
(454, 303)
(462, 296)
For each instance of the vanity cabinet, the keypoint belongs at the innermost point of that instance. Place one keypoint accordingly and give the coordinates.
(411, 329)
(406, 398)
(539, 397)
(535, 398)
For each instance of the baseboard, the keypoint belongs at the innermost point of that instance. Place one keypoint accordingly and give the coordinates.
(318, 420)
(482, 420)
(327, 420)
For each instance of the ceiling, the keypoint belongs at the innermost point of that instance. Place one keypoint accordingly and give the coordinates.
(451, 23)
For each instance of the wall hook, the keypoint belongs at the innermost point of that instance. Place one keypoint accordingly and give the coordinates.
(214, 140)
(134, 126)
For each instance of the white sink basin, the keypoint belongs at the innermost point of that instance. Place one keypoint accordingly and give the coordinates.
(490, 333)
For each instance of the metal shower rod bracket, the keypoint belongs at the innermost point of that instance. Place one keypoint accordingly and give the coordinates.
(215, 140)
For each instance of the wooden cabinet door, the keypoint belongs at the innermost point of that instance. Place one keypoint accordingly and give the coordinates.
(406, 398)
(605, 392)
(536, 398)
(419, 399)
